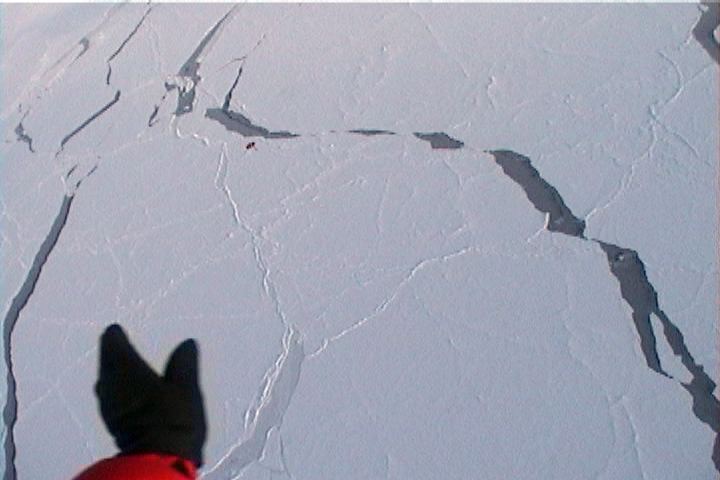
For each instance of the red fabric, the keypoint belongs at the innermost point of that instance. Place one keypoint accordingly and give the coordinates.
(146, 466)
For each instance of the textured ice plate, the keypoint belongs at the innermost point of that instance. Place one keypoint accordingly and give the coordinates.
(413, 241)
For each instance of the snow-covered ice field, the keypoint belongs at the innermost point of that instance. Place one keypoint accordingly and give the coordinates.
(413, 241)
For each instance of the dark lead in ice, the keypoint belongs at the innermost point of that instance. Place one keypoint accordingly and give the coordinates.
(154, 113)
(90, 119)
(229, 94)
(85, 44)
(640, 295)
(189, 70)
(440, 140)
(22, 136)
(705, 28)
(11, 318)
(239, 123)
(541, 194)
(371, 132)
(125, 42)
(635, 288)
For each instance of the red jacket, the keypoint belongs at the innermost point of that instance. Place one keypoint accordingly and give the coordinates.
(144, 466)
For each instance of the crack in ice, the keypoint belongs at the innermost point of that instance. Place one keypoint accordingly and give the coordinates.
(188, 77)
(221, 183)
(228, 95)
(124, 43)
(705, 28)
(635, 437)
(638, 293)
(440, 140)
(237, 122)
(368, 132)
(440, 45)
(85, 44)
(383, 306)
(541, 194)
(267, 283)
(22, 136)
(635, 288)
(87, 122)
(273, 400)
(18, 303)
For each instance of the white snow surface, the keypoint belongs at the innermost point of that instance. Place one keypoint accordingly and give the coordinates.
(366, 307)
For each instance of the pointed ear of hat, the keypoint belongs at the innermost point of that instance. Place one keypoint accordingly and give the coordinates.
(118, 355)
(182, 366)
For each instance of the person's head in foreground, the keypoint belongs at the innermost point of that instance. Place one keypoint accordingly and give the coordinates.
(157, 421)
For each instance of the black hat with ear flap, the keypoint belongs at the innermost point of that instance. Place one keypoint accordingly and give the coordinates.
(147, 413)
(182, 371)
